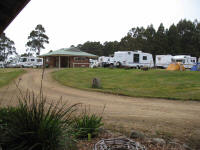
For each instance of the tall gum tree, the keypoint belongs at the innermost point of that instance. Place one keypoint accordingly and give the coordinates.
(37, 39)
(7, 47)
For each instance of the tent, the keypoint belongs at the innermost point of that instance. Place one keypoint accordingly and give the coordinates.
(176, 66)
(196, 67)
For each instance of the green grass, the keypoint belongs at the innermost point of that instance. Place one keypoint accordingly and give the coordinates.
(7, 75)
(136, 83)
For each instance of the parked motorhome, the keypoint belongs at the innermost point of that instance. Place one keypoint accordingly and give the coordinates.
(12, 62)
(163, 61)
(1, 64)
(30, 62)
(186, 60)
(133, 59)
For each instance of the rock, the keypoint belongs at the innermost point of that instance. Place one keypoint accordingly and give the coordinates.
(158, 141)
(186, 147)
(96, 83)
(137, 135)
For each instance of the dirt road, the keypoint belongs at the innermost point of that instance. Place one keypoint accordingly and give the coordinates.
(153, 116)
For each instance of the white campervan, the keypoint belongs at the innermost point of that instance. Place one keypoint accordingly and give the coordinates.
(163, 61)
(104, 61)
(93, 63)
(30, 62)
(186, 60)
(133, 59)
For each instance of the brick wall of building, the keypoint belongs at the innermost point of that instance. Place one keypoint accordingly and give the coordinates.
(50, 61)
(74, 61)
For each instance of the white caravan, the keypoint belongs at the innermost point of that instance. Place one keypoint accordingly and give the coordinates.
(186, 60)
(30, 62)
(133, 59)
(163, 61)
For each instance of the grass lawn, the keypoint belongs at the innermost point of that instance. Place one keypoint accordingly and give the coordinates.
(7, 75)
(136, 83)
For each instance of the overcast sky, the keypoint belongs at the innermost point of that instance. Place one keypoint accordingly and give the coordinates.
(72, 22)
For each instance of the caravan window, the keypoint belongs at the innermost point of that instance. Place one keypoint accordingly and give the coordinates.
(193, 61)
(180, 60)
(144, 57)
(39, 60)
(136, 58)
(32, 59)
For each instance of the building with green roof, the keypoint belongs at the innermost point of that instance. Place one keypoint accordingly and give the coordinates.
(67, 58)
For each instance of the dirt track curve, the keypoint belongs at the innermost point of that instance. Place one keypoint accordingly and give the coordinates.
(153, 116)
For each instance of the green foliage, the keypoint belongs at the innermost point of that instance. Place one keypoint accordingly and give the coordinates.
(87, 124)
(6, 47)
(92, 47)
(36, 124)
(183, 38)
(153, 83)
(37, 39)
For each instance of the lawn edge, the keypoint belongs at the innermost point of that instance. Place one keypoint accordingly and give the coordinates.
(121, 94)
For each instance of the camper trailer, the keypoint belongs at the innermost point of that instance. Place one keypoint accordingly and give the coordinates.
(186, 60)
(30, 62)
(163, 61)
(133, 59)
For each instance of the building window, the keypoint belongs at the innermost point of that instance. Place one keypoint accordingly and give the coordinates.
(80, 58)
(144, 57)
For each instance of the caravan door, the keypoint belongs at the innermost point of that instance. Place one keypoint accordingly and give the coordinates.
(136, 58)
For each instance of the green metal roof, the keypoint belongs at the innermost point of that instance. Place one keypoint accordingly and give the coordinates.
(72, 51)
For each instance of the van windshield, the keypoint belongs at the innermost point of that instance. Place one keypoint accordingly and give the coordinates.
(23, 59)
(39, 60)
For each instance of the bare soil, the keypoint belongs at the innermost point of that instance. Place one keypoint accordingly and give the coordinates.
(168, 118)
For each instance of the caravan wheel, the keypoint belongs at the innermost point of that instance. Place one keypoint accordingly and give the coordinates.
(111, 66)
(138, 67)
(118, 64)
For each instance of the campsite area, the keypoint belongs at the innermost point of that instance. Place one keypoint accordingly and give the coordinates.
(154, 117)
(155, 83)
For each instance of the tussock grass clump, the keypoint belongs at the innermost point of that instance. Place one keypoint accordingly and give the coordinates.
(87, 123)
(35, 124)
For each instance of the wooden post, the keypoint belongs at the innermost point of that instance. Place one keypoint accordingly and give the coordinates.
(68, 61)
(59, 62)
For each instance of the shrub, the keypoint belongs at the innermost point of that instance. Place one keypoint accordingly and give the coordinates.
(37, 125)
(86, 124)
